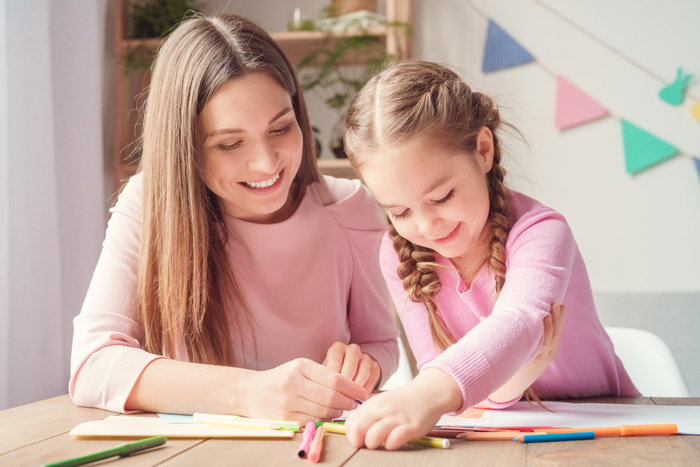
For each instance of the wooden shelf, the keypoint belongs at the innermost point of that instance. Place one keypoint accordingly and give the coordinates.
(339, 168)
(298, 44)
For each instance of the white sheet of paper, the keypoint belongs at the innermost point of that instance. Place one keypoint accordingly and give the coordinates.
(584, 415)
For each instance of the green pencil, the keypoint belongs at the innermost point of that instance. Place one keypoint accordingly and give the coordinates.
(121, 451)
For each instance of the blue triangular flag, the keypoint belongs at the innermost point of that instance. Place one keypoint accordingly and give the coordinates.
(642, 149)
(697, 165)
(501, 51)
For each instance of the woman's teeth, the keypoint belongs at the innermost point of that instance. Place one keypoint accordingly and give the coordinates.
(263, 184)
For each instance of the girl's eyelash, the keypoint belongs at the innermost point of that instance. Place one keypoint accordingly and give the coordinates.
(445, 199)
(399, 216)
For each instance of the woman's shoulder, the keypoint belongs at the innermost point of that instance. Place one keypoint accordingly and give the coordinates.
(349, 202)
(130, 198)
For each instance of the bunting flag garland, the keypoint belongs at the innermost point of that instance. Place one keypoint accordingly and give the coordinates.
(642, 149)
(674, 93)
(502, 51)
(574, 107)
(695, 111)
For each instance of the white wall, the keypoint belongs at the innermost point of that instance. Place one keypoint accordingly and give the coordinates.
(52, 205)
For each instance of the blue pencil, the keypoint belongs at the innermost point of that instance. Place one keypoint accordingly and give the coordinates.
(557, 437)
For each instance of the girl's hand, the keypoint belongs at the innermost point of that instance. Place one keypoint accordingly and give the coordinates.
(529, 373)
(300, 390)
(349, 361)
(396, 417)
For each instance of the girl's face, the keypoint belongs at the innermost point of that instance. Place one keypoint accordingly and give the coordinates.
(436, 197)
(252, 147)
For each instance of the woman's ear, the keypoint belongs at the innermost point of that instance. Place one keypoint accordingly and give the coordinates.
(485, 148)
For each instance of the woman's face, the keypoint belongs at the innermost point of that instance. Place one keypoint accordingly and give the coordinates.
(252, 147)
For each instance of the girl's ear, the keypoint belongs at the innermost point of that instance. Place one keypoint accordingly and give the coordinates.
(485, 148)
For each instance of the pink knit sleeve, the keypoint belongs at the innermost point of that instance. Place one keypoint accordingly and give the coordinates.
(540, 257)
(107, 358)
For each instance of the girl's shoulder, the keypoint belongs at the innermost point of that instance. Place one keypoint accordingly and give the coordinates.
(349, 202)
(526, 208)
(532, 218)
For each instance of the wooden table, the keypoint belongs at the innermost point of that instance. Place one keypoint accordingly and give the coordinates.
(37, 433)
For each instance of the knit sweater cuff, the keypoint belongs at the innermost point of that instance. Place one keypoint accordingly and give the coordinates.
(499, 405)
(627, 387)
(470, 370)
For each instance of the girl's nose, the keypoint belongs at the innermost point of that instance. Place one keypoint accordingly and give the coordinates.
(427, 224)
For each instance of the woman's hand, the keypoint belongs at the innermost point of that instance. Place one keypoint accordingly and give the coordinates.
(300, 390)
(396, 417)
(529, 373)
(349, 361)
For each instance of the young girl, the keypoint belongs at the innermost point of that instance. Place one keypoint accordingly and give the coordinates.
(473, 267)
(233, 277)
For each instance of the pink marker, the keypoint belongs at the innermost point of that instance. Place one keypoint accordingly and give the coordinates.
(308, 435)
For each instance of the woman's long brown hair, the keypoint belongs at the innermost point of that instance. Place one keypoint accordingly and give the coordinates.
(185, 280)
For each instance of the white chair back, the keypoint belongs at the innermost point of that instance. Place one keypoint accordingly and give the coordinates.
(648, 361)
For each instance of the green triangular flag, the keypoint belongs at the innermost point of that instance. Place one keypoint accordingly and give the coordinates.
(642, 149)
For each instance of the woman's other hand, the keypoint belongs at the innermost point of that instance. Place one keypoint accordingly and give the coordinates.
(349, 361)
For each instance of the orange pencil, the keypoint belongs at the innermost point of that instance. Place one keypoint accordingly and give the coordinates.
(316, 446)
(622, 430)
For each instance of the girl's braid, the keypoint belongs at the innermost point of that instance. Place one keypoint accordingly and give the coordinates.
(418, 271)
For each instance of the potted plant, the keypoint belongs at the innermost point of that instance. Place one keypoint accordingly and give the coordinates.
(152, 19)
(350, 54)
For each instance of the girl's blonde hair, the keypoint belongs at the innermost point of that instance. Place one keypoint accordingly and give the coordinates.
(184, 276)
(414, 99)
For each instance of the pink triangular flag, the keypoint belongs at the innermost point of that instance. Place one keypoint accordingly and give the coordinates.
(574, 107)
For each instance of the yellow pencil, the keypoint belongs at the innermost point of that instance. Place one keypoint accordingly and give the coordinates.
(248, 426)
(442, 443)
(234, 421)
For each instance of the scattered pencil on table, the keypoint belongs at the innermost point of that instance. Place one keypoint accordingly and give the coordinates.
(316, 445)
(121, 451)
(553, 437)
(622, 430)
(235, 421)
(307, 436)
(442, 443)
(491, 436)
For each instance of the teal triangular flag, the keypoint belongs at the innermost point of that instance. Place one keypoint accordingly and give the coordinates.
(642, 149)
(501, 50)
